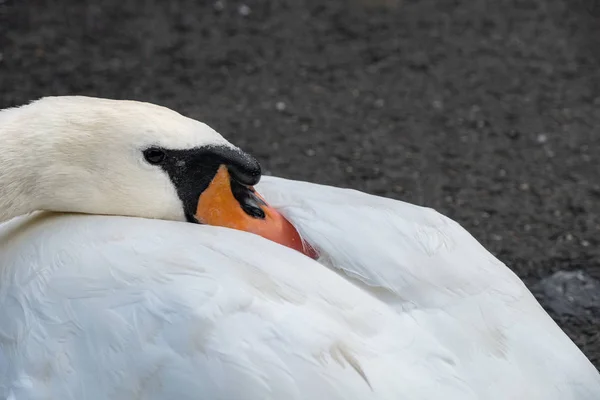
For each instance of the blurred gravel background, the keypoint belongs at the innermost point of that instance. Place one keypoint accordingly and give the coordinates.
(488, 111)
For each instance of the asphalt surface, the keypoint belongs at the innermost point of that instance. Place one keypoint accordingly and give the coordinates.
(487, 111)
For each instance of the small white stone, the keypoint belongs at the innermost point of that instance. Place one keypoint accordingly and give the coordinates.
(244, 10)
(219, 5)
(475, 109)
(542, 138)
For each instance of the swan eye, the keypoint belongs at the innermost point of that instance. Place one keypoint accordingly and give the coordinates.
(154, 156)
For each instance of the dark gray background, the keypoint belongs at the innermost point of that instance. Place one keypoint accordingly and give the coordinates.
(488, 111)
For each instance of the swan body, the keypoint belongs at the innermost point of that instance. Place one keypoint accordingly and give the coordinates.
(402, 303)
(423, 264)
(131, 308)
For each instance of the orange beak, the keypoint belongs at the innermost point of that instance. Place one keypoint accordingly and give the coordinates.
(227, 203)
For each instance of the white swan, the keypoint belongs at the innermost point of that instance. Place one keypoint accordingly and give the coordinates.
(114, 307)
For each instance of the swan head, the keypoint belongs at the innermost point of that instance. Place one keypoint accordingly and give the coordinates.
(128, 158)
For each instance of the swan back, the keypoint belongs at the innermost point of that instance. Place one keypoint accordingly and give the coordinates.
(424, 265)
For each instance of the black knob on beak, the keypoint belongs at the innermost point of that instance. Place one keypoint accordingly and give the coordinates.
(244, 171)
(247, 173)
(242, 167)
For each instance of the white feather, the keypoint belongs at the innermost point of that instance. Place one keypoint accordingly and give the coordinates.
(111, 307)
(403, 303)
(427, 266)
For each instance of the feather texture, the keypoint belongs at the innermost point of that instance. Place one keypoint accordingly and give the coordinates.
(425, 265)
(410, 307)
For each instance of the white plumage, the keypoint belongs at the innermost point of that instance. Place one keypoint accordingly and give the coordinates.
(402, 304)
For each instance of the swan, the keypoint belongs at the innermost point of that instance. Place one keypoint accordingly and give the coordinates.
(106, 292)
